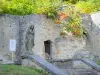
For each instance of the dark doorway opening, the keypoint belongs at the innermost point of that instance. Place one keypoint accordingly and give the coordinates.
(47, 45)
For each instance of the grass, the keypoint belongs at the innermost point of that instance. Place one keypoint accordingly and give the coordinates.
(20, 70)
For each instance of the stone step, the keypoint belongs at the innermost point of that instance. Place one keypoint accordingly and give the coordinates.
(80, 72)
(44, 64)
(63, 65)
(1, 60)
(76, 68)
(8, 63)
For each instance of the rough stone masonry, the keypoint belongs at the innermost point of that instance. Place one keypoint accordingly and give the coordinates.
(36, 33)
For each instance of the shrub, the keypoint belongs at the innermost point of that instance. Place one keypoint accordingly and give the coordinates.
(74, 1)
(71, 22)
(24, 7)
(88, 6)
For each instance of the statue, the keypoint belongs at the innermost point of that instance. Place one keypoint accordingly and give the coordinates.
(29, 40)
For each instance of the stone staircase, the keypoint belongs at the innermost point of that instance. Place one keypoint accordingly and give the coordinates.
(65, 67)
(76, 68)
(3, 61)
(75, 71)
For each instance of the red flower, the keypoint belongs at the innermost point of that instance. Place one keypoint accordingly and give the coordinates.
(73, 33)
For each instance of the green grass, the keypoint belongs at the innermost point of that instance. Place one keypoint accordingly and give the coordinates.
(20, 70)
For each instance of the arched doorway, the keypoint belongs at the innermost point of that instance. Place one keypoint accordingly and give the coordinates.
(48, 46)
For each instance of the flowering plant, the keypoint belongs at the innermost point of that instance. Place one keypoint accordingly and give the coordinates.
(71, 22)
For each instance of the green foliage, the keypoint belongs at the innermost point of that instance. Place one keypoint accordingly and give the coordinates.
(49, 7)
(24, 7)
(20, 70)
(52, 14)
(74, 25)
(88, 6)
(74, 1)
(71, 22)
(98, 62)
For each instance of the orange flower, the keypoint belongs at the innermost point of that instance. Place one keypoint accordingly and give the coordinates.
(63, 16)
(57, 21)
(76, 32)
(75, 26)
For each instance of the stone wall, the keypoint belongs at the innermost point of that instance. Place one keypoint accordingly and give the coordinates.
(67, 46)
(9, 29)
(92, 24)
(95, 34)
(33, 30)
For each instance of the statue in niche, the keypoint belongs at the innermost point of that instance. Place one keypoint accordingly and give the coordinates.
(29, 40)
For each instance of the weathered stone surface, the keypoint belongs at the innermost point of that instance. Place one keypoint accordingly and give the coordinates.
(67, 46)
(16, 27)
(86, 54)
(92, 24)
(9, 29)
(96, 32)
